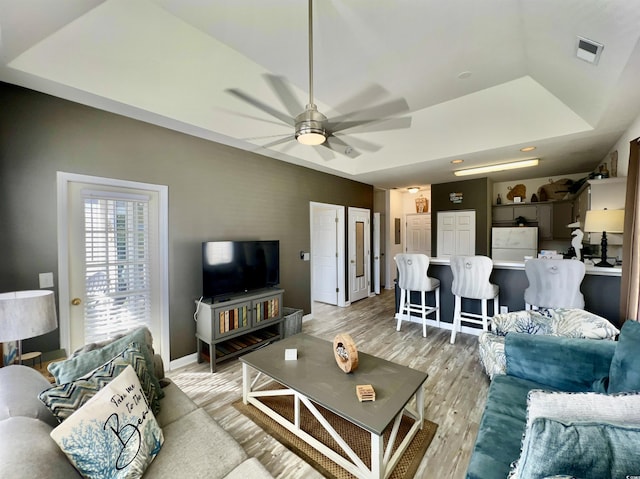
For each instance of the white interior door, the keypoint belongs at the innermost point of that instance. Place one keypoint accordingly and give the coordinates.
(325, 255)
(359, 253)
(418, 233)
(376, 253)
(112, 260)
(456, 233)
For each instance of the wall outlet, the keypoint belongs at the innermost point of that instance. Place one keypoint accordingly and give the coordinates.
(504, 309)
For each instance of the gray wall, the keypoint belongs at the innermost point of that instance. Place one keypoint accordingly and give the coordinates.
(215, 192)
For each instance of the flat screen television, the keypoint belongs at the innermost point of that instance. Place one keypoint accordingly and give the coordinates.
(230, 267)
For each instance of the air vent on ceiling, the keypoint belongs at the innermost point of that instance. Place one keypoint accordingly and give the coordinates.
(588, 50)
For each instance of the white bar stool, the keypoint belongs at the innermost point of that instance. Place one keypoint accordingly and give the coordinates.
(554, 283)
(412, 276)
(471, 281)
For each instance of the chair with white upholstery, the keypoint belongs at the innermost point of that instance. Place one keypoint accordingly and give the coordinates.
(471, 281)
(554, 283)
(412, 276)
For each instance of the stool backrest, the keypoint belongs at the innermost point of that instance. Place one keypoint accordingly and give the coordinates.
(412, 271)
(471, 277)
(554, 283)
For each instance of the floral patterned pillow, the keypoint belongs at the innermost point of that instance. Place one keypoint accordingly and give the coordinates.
(576, 323)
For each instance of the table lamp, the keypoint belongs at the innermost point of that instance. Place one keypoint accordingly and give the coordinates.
(25, 314)
(604, 220)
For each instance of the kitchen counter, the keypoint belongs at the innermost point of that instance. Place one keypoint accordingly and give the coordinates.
(600, 287)
(519, 266)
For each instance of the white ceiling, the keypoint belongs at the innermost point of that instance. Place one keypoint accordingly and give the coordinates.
(170, 62)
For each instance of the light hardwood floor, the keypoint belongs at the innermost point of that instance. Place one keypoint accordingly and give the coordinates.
(455, 391)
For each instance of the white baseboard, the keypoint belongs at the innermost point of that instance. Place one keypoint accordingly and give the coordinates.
(183, 361)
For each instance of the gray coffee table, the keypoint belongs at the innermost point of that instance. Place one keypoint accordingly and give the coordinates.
(315, 378)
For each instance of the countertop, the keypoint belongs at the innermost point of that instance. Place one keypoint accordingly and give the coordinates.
(519, 265)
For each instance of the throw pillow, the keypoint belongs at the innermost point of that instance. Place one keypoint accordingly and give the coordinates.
(624, 374)
(574, 408)
(114, 434)
(586, 450)
(64, 399)
(81, 364)
(623, 409)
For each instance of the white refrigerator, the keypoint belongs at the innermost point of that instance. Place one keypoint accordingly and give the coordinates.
(513, 244)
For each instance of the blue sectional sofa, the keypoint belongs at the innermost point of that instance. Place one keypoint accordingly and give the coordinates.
(601, 374)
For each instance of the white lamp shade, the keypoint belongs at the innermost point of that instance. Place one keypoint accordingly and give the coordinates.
(611, 221)
(25, 314)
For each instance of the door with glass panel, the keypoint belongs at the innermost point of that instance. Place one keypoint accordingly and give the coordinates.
(359, 253)
(114, 263)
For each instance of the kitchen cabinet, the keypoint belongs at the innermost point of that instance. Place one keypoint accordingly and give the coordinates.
(508, 214)
(544, 219)
(562, 216)
(537, 214)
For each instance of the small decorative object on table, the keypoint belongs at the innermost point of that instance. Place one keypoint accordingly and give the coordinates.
(365, 392)
(345, 352)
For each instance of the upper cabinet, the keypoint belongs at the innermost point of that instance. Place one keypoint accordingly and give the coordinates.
(551, 221)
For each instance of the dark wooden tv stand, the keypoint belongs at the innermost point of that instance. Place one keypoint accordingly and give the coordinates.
(237, 324)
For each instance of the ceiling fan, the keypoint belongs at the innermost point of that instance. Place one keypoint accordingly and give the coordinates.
(311, 127)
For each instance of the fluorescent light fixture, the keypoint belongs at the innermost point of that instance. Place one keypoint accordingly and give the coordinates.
(500, 167)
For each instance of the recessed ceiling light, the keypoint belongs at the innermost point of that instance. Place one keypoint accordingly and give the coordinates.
(464, 75)
(413, 189)
(456, 162)
(528, 148)
(499, 167)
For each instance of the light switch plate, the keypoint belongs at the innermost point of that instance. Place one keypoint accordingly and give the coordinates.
(46, 280)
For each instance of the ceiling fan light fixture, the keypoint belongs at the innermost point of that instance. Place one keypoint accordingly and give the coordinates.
(310, 127)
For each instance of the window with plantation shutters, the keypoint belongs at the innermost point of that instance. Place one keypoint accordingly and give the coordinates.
(117, 263)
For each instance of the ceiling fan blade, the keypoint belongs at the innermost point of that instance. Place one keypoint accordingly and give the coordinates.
(361, 144)
(262, 106)
(365, 126)
(376, 112)
(289, 100)
(251, 117)
(279, 141)
(368, 96)
(336, 144)
(264, 137)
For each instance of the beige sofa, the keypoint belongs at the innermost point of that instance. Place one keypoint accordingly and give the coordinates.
(195, 446)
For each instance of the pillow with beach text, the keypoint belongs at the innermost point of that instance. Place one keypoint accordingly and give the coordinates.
(115, 434)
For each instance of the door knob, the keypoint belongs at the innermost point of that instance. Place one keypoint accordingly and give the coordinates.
(76, 301)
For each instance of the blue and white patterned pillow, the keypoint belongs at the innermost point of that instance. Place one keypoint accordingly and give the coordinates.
(64, 399)
(115, 434)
